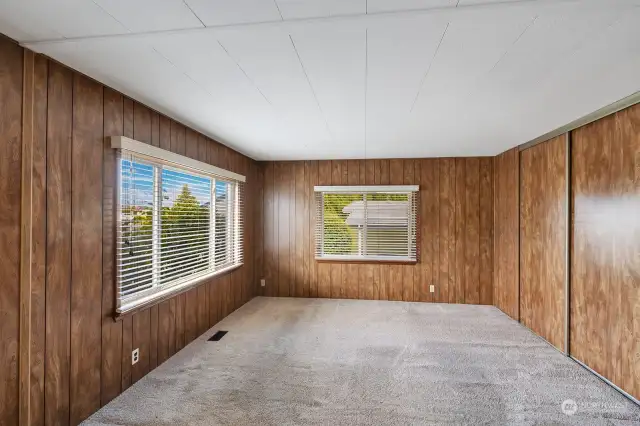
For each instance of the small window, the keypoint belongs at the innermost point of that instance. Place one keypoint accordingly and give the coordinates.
(376, 223)
(175, 226)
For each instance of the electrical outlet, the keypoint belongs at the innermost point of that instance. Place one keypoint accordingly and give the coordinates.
(432, 288)
(135, 356)
(263, 282)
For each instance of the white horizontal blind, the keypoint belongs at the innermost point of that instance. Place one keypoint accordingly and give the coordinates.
(174, 225)
(358, 224)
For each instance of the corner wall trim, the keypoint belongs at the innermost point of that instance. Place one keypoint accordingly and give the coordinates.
(582, 121)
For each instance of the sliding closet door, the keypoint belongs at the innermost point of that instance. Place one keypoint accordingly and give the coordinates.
(543, 217)
(605, 258)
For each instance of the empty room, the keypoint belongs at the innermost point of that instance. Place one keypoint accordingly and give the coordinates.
(319, 212)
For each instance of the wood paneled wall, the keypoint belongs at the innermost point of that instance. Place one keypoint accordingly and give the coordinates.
(543, 227)
(605, 253)
(80, 359)
(11, 58)
(506, 279)
(455, 243)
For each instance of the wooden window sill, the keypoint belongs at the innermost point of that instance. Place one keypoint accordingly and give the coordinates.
(369, 261)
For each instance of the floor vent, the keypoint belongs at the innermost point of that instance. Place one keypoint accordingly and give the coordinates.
(219, 335)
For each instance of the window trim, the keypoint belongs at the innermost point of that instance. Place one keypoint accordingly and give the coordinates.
(160, 157)
(158, 154)
(365, 189)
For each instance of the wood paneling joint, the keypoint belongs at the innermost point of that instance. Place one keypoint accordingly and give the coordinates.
(26, 238)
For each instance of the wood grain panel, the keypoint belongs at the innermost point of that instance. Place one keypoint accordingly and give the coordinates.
(472, 231)
(140, 328)
(141, 123)
(86, 244)
(155, 129)
(191, 315)
(446, 244)
(605, 267)
(58, 304)
(426, 227)
(311, 176)
(153, 336)
(506, 275)
(26, 226)
(448, 231)
(39, 240)
(11, 77)
(408, 271)
(270, 234)
(111, 330)
(299, 220)
(458, 292)
(542, 239)
(283, 185)
(486, 231)
(80, 358)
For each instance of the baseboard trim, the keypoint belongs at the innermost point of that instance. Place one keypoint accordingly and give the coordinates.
(604, 379)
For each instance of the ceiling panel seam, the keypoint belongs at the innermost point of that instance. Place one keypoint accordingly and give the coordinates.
(253, 83)
(194, 13)
(506, 52)
(315, 96)
(200, 86)
(366, 85)
(275, 2)
(112, 17)
(426, 74)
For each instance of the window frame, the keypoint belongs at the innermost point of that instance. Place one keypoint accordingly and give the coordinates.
(412, 192)
(160, 159)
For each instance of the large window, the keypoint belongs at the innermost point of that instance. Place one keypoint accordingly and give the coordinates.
(175, 226)
(366, 223)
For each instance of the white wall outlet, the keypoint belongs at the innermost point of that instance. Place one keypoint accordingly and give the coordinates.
(135, 356)
(263, 282)
(432, 288)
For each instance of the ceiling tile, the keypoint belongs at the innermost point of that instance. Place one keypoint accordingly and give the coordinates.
(469, 50)
(298, 9)
(334, 60)
(151, 15)
(501, 76)
(271, 63)
(225, 12)
(398, 58)
(41, 19)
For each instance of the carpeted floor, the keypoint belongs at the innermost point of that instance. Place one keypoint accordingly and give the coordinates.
(350, 362)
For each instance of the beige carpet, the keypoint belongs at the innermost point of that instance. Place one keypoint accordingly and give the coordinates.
(350, 362)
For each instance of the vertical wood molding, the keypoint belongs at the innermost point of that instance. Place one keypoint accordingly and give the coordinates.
(26, 238)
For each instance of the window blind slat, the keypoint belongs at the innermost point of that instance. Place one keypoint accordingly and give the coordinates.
(173, 225)
(362, 223)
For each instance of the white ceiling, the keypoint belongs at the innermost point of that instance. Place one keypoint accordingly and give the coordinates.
(326, 79)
